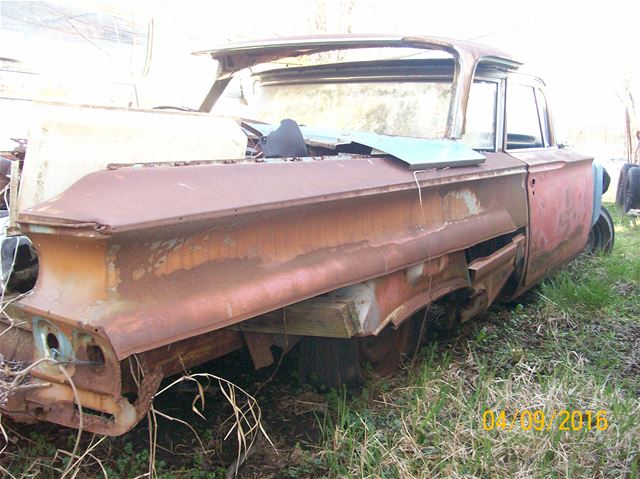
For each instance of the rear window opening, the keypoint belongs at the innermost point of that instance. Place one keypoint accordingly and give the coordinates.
(404, 95)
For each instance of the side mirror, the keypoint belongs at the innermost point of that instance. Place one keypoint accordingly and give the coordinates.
(563, 145)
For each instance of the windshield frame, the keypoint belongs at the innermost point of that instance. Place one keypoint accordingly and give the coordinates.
(467, 56)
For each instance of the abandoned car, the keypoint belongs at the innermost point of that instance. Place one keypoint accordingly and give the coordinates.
(352, 194)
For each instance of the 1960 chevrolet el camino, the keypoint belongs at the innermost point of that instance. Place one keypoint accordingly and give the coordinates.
(352, 194)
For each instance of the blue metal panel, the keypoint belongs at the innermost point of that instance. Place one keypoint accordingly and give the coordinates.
(597, 192)
(416, 152)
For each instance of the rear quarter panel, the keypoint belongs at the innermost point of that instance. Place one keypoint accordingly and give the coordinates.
(560, 193)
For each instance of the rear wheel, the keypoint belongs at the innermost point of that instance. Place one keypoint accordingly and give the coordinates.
(622, 178)
(602, 234)
(632, 189)
(385, 352)
(333, 362)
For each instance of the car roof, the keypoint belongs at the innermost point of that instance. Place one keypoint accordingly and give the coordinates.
(234, 57)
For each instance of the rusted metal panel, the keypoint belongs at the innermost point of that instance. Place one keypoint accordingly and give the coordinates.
(560, 192)
(147, 277)
(105, 410)
(102, 414)
(490, 273)
(367, 308)
(202, 193)
(401, 294)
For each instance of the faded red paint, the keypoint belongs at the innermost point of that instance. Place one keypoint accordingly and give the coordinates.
(559, 185)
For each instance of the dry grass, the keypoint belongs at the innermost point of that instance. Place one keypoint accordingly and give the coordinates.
(434, 428)
(244, 423)
(574, 345)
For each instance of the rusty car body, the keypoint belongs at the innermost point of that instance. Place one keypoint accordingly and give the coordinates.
(148, 268)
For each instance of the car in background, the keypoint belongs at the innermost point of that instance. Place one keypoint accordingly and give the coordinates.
(628, 191)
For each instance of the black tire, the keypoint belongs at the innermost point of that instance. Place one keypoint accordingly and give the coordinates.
(632, 189)
(602, 234)
(385, 352)
(331, 363)
(620, 191)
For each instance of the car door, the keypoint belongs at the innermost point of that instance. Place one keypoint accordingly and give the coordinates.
(559, 181)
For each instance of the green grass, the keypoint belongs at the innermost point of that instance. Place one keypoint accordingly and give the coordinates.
(574, 345)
